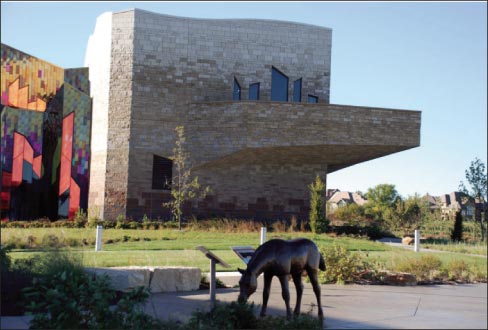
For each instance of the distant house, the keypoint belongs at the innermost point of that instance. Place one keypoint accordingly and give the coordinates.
(343, 198)
(432, 201)
(454, 202)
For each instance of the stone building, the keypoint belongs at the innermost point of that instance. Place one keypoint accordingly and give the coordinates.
(253, 97)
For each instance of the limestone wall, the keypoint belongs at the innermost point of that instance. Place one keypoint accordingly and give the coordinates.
(257, 156)
(97, 57)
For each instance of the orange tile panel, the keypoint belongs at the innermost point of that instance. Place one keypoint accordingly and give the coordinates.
(64, 175)
(74, 199)
(23, 96)
(13, 93)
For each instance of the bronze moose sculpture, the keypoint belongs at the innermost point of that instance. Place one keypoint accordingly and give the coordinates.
(283, 258)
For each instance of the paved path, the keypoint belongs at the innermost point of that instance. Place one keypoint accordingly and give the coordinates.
(345, 307)
(354, 306)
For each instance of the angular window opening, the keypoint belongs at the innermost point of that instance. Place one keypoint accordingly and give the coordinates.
(162, 173)
(237, 90)
(279, 85)
(297, 90)
(254, 91)
(313, 99)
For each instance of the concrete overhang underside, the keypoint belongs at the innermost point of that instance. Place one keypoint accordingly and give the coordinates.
(253, 133)
(336, 157)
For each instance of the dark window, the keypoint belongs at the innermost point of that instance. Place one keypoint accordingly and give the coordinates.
(254, 91)
(279, 85)
(162, 173)
(312, 99)
(297, 90)
(237, 90)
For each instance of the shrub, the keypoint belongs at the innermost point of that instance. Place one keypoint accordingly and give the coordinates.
(5, 260)
(457, 231)
(318, 222)
(424, 268)
(51, 240)
(458, 270)
(80, 219)
(14, 242)
(226, 316)
(135, 225)
(63, 296)
(15, 276)
(341, 266)
(72, 242)
(243, 316)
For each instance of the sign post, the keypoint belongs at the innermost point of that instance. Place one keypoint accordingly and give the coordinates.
(214, 260)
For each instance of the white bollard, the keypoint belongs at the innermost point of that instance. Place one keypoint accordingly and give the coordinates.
(263, 235)
(417, 241)
(98, 243)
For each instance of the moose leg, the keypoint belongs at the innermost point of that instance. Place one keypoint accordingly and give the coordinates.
(297, 279)
(285, 293)
(312, 274)
(267, 286)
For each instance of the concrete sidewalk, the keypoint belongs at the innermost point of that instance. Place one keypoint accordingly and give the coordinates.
(349, 306)
(354, 306)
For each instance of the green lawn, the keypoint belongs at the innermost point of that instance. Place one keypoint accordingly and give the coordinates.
(168, 247)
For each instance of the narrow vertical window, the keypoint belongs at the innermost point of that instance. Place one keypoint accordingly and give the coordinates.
(237, 90)
(254, 91)
(297, 90)
(312, 99)
(279, 85)
(162, 173)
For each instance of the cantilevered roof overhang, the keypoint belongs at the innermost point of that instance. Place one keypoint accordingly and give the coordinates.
(263, 132)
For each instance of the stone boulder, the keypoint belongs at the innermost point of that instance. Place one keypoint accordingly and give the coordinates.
(407, 240)
(125, 278)
(172, 279)
(159, 279)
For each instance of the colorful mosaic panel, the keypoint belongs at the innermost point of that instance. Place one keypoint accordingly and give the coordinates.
(21, 155)
(78, 104)
(27, 78)
(45, 153)
(27, 123)
(78, 78)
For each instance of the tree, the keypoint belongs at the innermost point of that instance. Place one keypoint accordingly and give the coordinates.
(457, 232)
(183, 188)
(318, 222)
(381, 199)
(476, 177)
(350, 214)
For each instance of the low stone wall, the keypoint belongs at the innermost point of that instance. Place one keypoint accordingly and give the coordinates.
(158, 279)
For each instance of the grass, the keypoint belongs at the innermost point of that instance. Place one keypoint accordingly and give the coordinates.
(169, 239)
(431, 265)
(467, 248)
(169, 247)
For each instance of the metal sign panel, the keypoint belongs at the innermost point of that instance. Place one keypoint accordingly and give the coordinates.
(212, 256)
(244, 252)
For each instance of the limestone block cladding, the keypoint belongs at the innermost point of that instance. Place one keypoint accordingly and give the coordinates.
(258, 157)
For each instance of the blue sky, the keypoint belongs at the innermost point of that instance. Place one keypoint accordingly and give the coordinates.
(428, 56)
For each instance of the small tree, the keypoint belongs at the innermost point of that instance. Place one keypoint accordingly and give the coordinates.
(318, 222)
(381, 201)
(457, 232)
(183, 187)
(476, 177)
